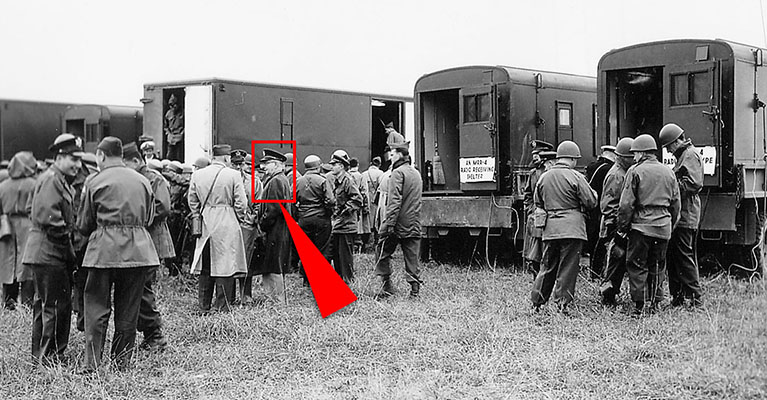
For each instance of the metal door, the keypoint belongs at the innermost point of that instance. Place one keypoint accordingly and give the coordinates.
(478, 139)
(692, 99)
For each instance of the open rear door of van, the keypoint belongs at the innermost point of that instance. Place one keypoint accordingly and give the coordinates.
(478, 139)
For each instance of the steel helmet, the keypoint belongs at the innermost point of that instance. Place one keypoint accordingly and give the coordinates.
(644, 142)
(568, 149)
(312, 161)
(340, 153)
(669, 133)
(623, 148)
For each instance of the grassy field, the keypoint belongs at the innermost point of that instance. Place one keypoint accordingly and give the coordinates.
(470, 335)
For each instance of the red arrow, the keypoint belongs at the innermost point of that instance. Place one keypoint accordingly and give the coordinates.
(330, 291)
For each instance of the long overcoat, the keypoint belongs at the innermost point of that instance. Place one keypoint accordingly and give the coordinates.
(403, 205)
(14, 195)
(163, 241)
(275, 253)
(371, 179)
(221, 218)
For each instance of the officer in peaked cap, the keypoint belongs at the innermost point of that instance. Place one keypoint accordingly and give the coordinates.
(238, 157)
(533, 246)
(348, 203)
(49, 248)
(272, 155)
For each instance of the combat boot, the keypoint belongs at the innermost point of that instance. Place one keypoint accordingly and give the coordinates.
(415, 289)
(154, 341)
(387, 289)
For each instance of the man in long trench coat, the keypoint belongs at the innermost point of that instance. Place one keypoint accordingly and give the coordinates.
(219, 255)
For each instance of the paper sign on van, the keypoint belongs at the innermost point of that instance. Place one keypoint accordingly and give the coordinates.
(707, 154)
(477, 169)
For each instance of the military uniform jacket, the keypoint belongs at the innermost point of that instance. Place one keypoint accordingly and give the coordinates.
(315, 196)
(403, 205)
(163, 242)
(363, 220)
(277, 236)
(382, 197)
(689, 175)
(51, 209)
(221, 219)
(611, 197)
(348, 202)
(14, 196)
(565, 194)
(527, 201)
(117, 208)
(649, 200)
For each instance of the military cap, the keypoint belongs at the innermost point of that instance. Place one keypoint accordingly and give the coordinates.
(201, 162)
(148, 145)
(130, 150)
(165, 162)
(154, 164)
(175, 166)
(289, 158)
(547, 155)
(222, 150)
(312, 161)
(326, 168)
(187, 169)
(238, 156)
(67, 143)
(608, 147)
(89, 158)
(111, 145)
(340, 158)
(540, 145)
(270, 155)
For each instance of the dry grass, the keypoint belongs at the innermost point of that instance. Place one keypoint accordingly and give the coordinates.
(471, 335)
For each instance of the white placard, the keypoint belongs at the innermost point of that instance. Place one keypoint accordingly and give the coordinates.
(707, 154)
(477, 169)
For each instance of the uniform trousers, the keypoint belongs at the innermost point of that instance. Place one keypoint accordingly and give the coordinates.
(52, 310)
(559, 270)
(26, 289)
(223, 286)
(683, 280)
(410, 247)
(615, 270)
(149, 320)
(128, 286)
(318, 230)
(343, 255)
(645, 264)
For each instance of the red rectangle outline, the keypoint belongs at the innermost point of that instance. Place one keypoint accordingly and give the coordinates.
(253, 170)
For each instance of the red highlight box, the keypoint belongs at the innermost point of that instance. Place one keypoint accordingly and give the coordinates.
(254, 162)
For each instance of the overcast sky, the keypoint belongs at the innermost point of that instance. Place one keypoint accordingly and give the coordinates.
(104, 51)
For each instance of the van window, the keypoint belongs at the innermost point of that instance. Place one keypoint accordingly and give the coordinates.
(690, 88)
(477, 107)
(564, 121)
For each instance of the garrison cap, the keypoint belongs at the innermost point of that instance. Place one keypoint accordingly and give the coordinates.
(130, 150)
(222, 150)
(272, 155)
(67, 143)
(154, 164)
(540, 145)
(238, 156)
(201, 162)
(111, 145)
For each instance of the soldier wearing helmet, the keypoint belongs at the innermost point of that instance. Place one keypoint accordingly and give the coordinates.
(49, 249)
(611, 196)
(648, 208)
(315, 201)
(564, 194)
(683, 280)
(348, 203)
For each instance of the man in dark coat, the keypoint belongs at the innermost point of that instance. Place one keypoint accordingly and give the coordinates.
(49, 248)
(565, 195)
(683, 280)
(149, 319)
(348, 203)
(314, 195)
(532, 245)
(595, 174)
(402, 224)
(649, 207)
(274, 259)
(117, 208)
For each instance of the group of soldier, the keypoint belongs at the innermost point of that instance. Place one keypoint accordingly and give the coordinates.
(646, 221)
(90, 232)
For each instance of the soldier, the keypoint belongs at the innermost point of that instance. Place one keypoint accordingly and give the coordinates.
(217, 193)
(649, 207)
(392, 137)
(402, 224)
(595, 174)
(49, 248)
(565, 195)
(147, 149)
(314, 195)
(372, 177)
(117, 207)
(293, 176)
(201, 163)
(615, 245)
(532, 240)
(248, 225)
(149, 320)
(89, 167)
(173, 128)
(683, 281)
(183, 242)
(364, 213)
(274, 261)
(348, 202)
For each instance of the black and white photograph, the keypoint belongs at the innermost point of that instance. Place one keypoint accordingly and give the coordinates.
(383, 200)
